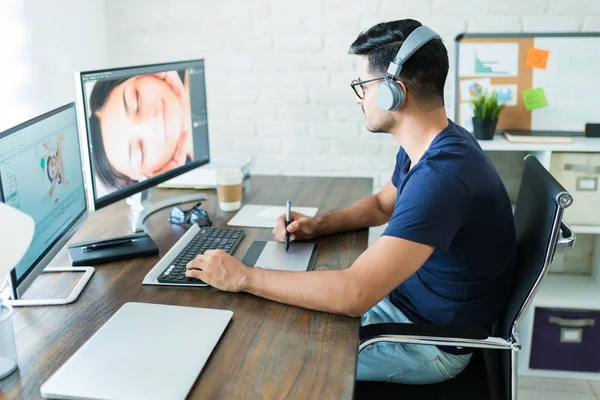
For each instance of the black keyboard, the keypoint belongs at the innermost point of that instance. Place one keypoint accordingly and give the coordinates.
(207, 239)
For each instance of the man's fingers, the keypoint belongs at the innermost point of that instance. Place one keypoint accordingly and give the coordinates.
(293, 227)
(281, 238)
(196, 262)
(195, 273)
(280, 223)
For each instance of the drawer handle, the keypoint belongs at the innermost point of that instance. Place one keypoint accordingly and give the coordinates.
(586, 169)
(572, 323)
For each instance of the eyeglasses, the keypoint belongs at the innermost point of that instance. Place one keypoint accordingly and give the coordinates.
(359, 89)
(193, 215)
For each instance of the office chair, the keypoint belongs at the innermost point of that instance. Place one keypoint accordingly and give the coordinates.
(492, 371)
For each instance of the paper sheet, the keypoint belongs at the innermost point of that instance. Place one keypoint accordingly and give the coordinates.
(466, 116)
(263, 216)
(507, 94)
(488, 59)
(471, 88)
(204, 177)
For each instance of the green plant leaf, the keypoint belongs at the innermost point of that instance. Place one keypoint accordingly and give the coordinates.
(486, 106)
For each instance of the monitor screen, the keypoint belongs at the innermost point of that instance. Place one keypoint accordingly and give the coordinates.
(41, 175)
(145, 124)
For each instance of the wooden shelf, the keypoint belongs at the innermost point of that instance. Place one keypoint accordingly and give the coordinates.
(568, 291)
(580, 144)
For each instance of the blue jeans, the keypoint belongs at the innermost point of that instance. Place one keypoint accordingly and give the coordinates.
(404, 362)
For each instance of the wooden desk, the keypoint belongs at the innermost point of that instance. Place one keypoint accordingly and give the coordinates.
(269, 350)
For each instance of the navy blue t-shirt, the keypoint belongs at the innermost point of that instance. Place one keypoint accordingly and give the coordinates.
(454, 199)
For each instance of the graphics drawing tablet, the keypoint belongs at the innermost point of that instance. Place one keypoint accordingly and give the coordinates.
(272, 255)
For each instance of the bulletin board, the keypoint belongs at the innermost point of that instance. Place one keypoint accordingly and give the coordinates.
(549, 81)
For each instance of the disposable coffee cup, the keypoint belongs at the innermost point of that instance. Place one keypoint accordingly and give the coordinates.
(229, 188)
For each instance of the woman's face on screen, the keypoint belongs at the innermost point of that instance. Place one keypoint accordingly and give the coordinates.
(141, 124)
(53, 168)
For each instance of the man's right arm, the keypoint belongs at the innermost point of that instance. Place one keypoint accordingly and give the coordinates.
(374, 210)
(371, 211)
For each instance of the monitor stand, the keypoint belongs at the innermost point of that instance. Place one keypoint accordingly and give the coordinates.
(140, 208)
(88, 272)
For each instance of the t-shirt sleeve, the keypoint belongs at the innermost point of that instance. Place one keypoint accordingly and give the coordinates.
(432, 207)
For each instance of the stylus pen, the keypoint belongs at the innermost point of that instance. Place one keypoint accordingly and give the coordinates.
(107, 245)
(288, 219)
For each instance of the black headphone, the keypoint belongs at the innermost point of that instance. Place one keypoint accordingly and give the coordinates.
(390, 94)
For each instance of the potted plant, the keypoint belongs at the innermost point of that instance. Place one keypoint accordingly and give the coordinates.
(486, 109)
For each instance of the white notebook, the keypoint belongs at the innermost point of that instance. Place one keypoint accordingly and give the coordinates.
(262, 216)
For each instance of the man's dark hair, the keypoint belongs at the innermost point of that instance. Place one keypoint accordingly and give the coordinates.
(424, 73)
(107, 174)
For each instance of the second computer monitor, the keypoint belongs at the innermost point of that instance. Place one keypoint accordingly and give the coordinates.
(140, 126)
(40, 174)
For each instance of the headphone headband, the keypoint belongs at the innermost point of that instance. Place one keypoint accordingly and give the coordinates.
(390, 95)
(413, 42)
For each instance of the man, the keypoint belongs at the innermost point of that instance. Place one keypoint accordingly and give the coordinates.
(448, 252)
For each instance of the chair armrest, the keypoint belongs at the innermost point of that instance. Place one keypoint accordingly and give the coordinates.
(470, 337)
(440, 331)
(566, 238)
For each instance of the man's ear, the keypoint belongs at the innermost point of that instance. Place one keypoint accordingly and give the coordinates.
(402, 85)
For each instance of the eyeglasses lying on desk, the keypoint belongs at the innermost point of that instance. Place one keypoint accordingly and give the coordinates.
(193, 215)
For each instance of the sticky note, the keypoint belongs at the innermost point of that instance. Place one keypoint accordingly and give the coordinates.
(534, 98)
(537, 58)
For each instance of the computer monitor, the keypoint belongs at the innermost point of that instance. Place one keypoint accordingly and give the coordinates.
(41, 175)
(140, 126)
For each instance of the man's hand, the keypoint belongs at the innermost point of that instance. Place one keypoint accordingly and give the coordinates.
(220, 270)
(301, 227)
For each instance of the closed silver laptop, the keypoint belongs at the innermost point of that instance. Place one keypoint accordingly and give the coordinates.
(144, 351)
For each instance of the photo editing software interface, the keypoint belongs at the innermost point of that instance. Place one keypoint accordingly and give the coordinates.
(142, 123)
(41, 175)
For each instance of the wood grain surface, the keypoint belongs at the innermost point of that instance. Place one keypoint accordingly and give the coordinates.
(269, 350)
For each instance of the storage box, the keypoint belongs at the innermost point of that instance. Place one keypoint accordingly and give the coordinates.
(579, 173)
(567, 340)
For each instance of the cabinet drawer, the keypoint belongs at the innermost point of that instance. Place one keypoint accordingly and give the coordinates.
(579, 173)
(567, 340)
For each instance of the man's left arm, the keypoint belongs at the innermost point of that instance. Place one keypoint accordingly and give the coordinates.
(378, 271)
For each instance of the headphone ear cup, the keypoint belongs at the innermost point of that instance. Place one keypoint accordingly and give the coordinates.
(385, 96)
(390, 95)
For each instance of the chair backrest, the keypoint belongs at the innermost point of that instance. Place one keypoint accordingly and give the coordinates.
(538, 213)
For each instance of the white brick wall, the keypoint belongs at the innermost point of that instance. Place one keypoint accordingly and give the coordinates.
(278, 71)
(39, 52)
